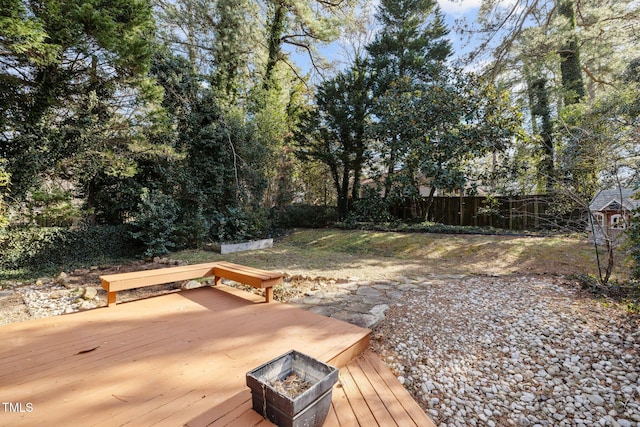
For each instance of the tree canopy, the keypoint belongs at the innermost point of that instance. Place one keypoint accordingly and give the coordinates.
(109, 109)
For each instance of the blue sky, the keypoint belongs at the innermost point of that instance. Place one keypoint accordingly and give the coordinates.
(464, 9)
(452, 9)
(459, 8)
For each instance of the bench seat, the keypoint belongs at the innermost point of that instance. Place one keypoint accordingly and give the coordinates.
(255, 277)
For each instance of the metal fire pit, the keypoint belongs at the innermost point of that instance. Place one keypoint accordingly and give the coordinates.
(310, 408)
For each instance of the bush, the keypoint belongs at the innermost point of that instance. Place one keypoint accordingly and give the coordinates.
(54, 208)
(55, 248)
(193, 230)
(155, 222)
(303, 216)
(235, 224)
(432, 227)
(372, 208)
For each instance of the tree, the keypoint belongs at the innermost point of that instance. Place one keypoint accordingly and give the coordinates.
(231, 48)
(219, 38)
(5, 179)
(578, 48)
(70, 72)
(569, 52)
(239, 48)
(541, 109)
(301, 24)
(446, 125)
(609, 127)
(334, 133)
(220, 164)
(410, 47)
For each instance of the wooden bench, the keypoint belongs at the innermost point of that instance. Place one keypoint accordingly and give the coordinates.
(255, 277)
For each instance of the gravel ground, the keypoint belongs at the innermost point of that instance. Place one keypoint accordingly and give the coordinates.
(522, 351)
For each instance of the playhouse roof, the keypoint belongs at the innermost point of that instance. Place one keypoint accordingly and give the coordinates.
(611, 200)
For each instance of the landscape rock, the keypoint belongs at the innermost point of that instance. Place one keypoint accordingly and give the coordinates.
(514, 351)
(191, 284)
(86, 305)
(63, 278)
(89, 293)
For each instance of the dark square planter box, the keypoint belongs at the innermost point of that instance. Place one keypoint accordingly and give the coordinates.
(310, 408)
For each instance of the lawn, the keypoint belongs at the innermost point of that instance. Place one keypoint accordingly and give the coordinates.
(370, 255)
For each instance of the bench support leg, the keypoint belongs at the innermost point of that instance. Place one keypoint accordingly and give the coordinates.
(111, 299)
(268, 294)
(217, 281)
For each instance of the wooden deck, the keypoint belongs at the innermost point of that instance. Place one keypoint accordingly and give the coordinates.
(367, 394)
(181, 359)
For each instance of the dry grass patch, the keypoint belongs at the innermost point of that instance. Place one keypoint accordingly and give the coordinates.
(387, 255)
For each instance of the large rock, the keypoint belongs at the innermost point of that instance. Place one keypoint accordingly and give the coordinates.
(89, 293)
(63, 279)
(86, 305)
(191, 284)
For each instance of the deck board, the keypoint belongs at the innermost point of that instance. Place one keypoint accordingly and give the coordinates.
(181, 359)
(375, 404)
(401, 395)
(365, 396)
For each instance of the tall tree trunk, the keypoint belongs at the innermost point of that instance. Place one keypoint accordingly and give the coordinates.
(357, 173)
(427, 208)
(583, 168)
(390, 170)
(542, 110)
(191, 40)
(570, 68)
(532, 98)
(274, 40)
(343, 196)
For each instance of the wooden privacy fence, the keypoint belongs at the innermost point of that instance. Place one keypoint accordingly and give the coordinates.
(532, 212)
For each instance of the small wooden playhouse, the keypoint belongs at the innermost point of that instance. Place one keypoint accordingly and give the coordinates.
(611, 211)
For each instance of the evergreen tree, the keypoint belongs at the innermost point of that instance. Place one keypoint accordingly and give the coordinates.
(70, 71)
(410, 48)
(334, 133)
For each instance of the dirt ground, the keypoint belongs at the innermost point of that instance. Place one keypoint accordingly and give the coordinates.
(13, 309)
(311, 257)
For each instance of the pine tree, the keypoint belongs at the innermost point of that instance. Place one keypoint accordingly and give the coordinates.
(69, 70)
(410, 47)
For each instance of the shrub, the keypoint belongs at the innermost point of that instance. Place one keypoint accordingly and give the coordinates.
(54, 208)
(372, 208)
(303, 216)
(155, 222)
(235, 224)
(55, 248)
(193, 230)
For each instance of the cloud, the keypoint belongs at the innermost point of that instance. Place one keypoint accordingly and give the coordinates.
(459, 7)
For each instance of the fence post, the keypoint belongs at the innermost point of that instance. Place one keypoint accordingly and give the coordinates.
(510, 213)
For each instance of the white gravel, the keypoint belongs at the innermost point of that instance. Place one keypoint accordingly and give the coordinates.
(525, 351)
(55, 299)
